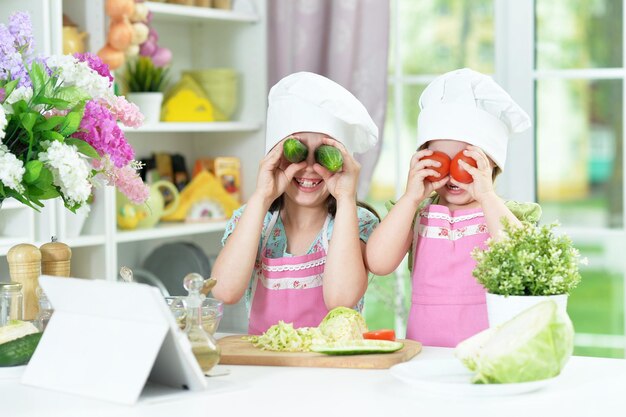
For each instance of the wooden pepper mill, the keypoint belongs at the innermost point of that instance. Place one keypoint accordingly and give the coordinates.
(25, 267)
(55, 258)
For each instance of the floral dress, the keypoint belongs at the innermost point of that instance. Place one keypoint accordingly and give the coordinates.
(276, 246)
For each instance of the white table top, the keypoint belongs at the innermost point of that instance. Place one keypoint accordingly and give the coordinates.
(586, 387)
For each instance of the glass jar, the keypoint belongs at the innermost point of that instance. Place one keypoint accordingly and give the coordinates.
(11, 302)
(45, 310)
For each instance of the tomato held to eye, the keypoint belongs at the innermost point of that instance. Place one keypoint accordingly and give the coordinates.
(382, 334)
(457, 172)
(443, 169)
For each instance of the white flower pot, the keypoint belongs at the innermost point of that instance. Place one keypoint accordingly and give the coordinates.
(149, 104)
(502, 308)
(75, 222)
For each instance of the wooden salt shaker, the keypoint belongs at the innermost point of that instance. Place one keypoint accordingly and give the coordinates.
(55, 258)
(25, 267)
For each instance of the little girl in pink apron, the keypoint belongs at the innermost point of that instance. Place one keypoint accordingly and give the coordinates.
(296, 249)
(443, 216)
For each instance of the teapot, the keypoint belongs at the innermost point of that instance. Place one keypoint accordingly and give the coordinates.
(149, 213)
(73, 40)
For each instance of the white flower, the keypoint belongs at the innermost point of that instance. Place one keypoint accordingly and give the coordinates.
(70, 170)
(20, 93)
(73, 72)
(11, 170)
(3, 123)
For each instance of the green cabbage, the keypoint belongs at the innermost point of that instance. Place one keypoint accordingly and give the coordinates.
(532, 346)
(342, 323)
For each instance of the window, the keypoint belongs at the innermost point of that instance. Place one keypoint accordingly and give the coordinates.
(562, 60)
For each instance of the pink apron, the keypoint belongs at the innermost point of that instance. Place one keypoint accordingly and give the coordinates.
(447, 303)
(288, 288)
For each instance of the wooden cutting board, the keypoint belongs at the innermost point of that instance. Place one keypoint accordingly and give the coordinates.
(236, 351)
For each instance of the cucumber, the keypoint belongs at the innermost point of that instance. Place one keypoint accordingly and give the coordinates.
(358, 347)
(329, 157)
(295, 151)
(19, 351)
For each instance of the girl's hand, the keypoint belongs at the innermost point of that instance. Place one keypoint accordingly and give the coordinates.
(482, 186)
(274, 176)
(340, 184)
(417, 187)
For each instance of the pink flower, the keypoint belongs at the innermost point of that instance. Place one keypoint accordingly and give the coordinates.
(99, 129)
(125, 112)
(126, 179)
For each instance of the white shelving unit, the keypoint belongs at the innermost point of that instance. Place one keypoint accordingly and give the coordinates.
(199, 38)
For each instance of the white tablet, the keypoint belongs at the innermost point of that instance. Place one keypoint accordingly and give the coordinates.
(106, 339)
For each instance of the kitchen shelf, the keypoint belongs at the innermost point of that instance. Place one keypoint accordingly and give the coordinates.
(165, 230)
(84, 241)
(180, 13)
(198, 127)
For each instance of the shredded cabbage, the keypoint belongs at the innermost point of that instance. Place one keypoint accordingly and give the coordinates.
(283, 337)
(340, 324)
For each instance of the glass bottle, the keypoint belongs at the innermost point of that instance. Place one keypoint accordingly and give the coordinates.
(45, 310)
(11, 302)
(203, 345)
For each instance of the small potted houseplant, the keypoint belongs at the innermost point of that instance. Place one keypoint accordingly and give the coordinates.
(530, 264)
(145, 83)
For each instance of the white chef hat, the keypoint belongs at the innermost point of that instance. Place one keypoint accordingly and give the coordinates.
(307, 102)
(468, 106)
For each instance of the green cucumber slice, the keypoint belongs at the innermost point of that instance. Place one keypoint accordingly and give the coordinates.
(358, 347)
(294, 150)
(329, 157)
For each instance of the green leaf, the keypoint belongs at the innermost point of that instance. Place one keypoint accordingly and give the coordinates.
(48, 124)
(54, 102)
(52, 135)
(9, 87)
(45, 178)
(38, 77)
(20, 107)
(33, 171)
(28, 120)
(83, 147)
(71, 123)
(72, 95)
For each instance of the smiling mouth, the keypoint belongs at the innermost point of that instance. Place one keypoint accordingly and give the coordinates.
(307, 183)
(452, 187)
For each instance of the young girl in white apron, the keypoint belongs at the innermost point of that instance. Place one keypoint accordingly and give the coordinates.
(296, 249)
(462, 112)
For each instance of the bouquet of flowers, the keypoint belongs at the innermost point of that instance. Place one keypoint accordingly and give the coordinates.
(59, 132)
(529, 260)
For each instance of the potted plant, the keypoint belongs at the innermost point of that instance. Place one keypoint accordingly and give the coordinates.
(530, 264)
(145, 83)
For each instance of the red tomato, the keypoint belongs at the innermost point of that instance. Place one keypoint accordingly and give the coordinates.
(457, 172)
(382, 334)
(443, 169)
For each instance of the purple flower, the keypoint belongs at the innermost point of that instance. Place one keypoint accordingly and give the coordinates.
(21, 28)
(3, 95)
(100, 129)
(11, 61)
(95, 63)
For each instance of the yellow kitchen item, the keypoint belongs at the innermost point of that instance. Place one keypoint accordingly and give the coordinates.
(187, 102)
(204, 186)
(127, 217)
(152, 210)
(73, 40)
(227, 169)
(220, 86)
